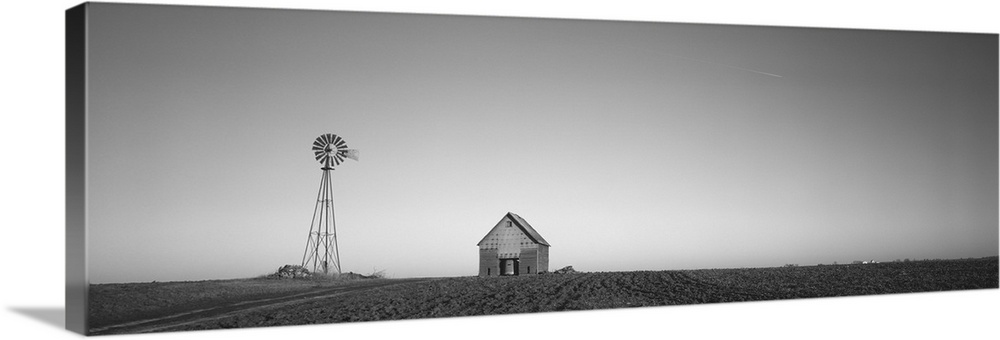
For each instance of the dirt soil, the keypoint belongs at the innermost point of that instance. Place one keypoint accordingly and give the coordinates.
(154, 307)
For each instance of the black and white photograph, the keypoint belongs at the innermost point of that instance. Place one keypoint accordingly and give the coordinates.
(232, 167)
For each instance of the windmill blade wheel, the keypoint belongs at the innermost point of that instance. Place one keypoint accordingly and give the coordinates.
(331, 150)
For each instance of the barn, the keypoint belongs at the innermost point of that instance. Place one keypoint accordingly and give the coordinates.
(513, 247)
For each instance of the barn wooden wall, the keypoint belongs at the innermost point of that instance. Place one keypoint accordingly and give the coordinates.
(488, 259)
(543, 258)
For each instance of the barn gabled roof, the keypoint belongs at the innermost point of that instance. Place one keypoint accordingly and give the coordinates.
(524, 226)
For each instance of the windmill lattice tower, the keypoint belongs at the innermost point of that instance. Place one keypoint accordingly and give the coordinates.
(321, 251)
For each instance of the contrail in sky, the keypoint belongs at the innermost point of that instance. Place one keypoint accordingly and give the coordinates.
(724, 65)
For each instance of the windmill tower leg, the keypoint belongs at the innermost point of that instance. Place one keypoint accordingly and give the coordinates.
(321, 251)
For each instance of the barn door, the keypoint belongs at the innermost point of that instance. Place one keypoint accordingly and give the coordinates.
(510, 267)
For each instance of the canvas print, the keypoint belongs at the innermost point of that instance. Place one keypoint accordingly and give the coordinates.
(238, 167)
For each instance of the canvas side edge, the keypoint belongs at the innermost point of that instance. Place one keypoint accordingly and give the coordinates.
(76, 137)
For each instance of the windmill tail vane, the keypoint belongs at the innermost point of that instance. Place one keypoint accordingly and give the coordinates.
(352, 154)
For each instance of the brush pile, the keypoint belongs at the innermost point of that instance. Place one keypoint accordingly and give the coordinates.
(291, 272)
(565, 270)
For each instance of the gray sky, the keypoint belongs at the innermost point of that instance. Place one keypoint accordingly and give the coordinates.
(626, 145)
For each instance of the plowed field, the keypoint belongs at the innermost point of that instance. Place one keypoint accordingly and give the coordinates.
(424, 298)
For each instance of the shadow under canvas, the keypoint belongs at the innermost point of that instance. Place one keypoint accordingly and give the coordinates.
(54, 316)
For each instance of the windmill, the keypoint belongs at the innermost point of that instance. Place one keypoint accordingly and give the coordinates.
(321, 248)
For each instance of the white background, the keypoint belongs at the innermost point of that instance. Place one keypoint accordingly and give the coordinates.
(32, 184)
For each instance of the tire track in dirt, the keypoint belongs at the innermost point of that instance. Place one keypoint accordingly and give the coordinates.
(213, 313)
